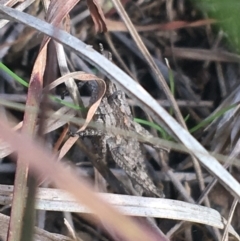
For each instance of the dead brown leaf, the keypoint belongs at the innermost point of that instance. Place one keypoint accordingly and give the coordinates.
(97, 16)
(67, 146)
(29, 127)
(58, 10)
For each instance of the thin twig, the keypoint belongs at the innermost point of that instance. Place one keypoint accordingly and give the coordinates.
(162, 83)
(231, 212)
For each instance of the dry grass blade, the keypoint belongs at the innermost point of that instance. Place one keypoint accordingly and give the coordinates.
(202, 54)
(52, 123)
(56, 12)
(58, 200)
(64, 117)
(161, 81)
(70, 83)
(55, 123)
(114, 25)
(10, 3)
(67, 146)
(20, 7)
(5, 150)
(164, 103)
(225, 234)
(40, 235)
(43, 163)
(59, 9)
(29, 126)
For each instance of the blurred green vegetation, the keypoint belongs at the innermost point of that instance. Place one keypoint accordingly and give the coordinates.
(227, 13)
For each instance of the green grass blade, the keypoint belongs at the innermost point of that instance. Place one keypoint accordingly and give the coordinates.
(13, 75)
(66, 103)
(25, 84)
(153, 125)
(211, 118)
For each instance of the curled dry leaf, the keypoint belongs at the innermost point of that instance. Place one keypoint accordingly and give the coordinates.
(67, 146)
(82, 76)
(97, 16)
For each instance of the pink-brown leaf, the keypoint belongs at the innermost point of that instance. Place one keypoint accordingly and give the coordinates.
(97, 16)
